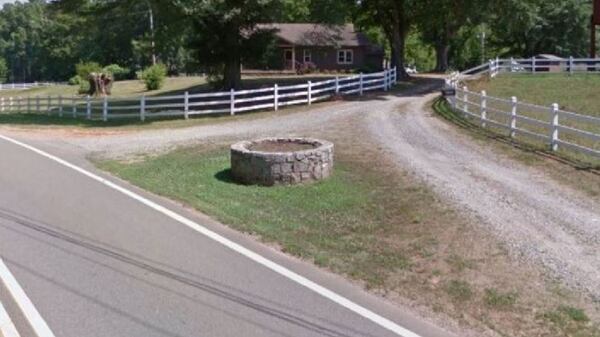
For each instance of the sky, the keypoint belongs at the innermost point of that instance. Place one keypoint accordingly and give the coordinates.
(2, 2)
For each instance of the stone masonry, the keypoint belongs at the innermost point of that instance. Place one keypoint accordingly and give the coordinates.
(281, 168)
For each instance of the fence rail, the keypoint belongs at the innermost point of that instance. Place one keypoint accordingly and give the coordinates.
(532, 65)
(550, 125)
(186, 104)
(20, 86)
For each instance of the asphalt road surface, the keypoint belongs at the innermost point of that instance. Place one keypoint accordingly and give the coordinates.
(97, 262)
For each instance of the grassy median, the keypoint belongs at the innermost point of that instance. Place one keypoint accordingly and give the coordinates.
(378, 226)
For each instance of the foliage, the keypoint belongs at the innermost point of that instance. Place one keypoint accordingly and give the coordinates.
(118, 73)
(154, 76)
(3, 70)
(75, 80)
(527, 28)
(84, 69)
(227, 34)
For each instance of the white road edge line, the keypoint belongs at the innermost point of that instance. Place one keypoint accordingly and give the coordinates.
(7, 328)
(34, 318)
(334, 297)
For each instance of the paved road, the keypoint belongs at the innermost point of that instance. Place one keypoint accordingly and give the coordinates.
(96, 262)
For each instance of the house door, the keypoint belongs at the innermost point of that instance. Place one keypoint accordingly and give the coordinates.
(288, 59)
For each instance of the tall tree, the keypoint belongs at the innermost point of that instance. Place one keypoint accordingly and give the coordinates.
(228, 33)
(395, 17)
(441, 20)
(530, 27)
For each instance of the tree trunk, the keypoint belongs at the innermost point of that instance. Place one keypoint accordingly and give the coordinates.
(232, 74)
(399, 30)
(442, 49)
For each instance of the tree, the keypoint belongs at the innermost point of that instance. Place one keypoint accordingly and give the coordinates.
(394, 17)
(527, 28)
(227, 33)
(440, 22)
(3, 70)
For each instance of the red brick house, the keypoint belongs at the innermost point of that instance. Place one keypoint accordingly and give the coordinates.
(327, 47)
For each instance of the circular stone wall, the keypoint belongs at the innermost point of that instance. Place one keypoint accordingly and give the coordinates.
(281, 161)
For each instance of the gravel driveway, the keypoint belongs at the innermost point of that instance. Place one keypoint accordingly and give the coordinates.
(540, 221)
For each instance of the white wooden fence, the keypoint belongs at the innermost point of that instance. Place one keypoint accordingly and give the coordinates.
(548, 124)
(187, 105)
(536, 65)
(551, 125)
(19, 86)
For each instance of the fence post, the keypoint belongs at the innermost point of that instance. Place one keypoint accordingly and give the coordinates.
(105, 109)
(466, 101)
(186, 105)
(309, 93)
(533, 66)
(554, 135)
(74, 107)
(88, 111)
(232, 101)
(60, 107)
(512, 64)
(385, 79)
(276, 97)
(498, 68)
(143, 108)
(483, 109)
(360, 89)
(337, 84)
(571, 65)
(513, 117)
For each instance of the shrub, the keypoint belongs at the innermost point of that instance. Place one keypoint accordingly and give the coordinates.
(154, 76)
(75, 80)
(84, 69)
(118, 73)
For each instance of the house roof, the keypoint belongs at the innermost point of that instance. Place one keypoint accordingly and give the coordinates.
(319, 35)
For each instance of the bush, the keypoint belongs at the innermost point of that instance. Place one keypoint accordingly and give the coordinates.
(84, 69)
(75, 80)
(118, 73)
(154, 76)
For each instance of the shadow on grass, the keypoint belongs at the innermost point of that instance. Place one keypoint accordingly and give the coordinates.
(226, 176)
(442, 108)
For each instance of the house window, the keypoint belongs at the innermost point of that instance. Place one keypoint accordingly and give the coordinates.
(345, 56)
(307, 55)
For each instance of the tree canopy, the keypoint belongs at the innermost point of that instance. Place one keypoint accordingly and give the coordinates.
(41, 40)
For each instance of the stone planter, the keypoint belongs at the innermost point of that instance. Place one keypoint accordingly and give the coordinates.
(281, 161)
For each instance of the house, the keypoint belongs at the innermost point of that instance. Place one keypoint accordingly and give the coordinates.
(326, 47)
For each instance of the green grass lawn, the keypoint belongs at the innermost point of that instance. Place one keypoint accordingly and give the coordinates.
(172, 86)
(335, 223)
(372, 224)
(577, 93)
(124, 89)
